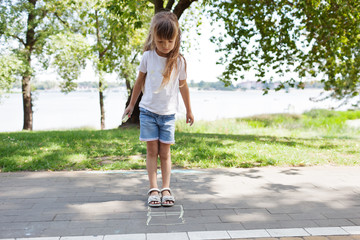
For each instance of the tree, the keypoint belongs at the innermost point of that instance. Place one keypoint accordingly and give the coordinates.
(107, 28)
(25, 27)
(127, 61)
(67, 52)
(310, 37)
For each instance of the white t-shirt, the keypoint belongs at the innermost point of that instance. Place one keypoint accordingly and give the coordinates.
(165, 100)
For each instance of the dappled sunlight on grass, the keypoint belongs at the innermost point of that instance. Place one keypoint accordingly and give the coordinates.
(69, 150)
(246, 150)
(266, 140)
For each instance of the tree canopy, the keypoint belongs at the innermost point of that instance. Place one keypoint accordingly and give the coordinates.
(25, 27)
(314, 38)
(102, 32)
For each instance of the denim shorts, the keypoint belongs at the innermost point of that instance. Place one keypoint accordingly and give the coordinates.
(157, 127)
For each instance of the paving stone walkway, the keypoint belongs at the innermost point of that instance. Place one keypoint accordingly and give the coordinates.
(316, 201)
(354, 237)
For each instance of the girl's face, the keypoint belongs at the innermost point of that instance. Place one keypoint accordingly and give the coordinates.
(164, 46)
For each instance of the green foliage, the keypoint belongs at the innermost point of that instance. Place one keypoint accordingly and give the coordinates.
(322, 120)
(128, 60)
(139, 14)
(190, 22)
(26, 26)
(330, 120)
(101, 31)
(24, 30)
(312, 38)
(113, 24)
(10, 66)
(69, 52)
(68, 32)
(290, 121)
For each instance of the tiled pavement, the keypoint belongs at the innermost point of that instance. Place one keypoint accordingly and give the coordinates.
(188, 236)
(285, 203)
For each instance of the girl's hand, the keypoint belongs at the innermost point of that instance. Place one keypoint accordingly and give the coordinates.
(190, 118)
(127, 113)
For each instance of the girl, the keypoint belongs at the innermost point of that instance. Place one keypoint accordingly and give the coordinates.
(162, 73)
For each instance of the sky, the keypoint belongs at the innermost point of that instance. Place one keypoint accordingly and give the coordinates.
(202, 59)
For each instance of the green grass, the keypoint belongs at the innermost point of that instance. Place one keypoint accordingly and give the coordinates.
(318, 137)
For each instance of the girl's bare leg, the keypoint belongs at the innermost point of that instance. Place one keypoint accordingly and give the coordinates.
(151, 163)
(165, 159)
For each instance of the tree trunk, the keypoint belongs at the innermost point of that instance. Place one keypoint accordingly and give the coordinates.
(181, 7)
(158, 6)
(135, 117)
(178, 10)
(101, 98)
(26, 86)
(27, 103)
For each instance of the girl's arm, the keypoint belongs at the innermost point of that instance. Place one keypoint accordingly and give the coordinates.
(135, 93)
(184, 90)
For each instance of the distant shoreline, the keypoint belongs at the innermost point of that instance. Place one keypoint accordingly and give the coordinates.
(202, 85)
(193, 89)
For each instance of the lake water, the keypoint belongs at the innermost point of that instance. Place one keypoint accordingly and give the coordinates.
(56, 110)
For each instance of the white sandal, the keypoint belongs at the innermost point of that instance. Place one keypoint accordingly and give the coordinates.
(154, 198)
(165, 199)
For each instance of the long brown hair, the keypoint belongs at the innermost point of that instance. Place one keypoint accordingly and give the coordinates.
(165, 25)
